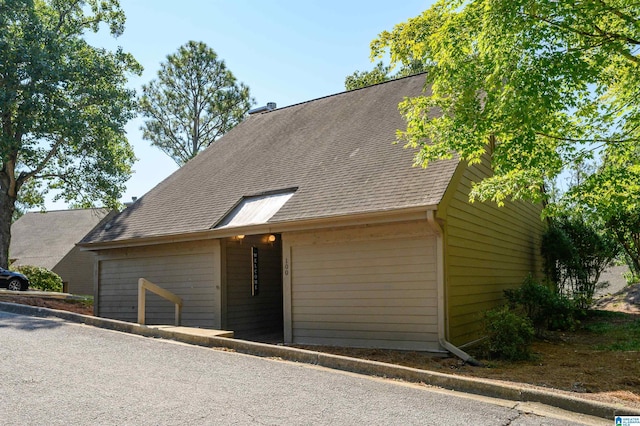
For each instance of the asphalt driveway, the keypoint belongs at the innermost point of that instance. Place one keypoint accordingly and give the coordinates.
(55, 372)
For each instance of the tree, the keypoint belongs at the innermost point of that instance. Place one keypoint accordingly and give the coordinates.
(381, 73)
(63, 106)
(360, 79)
(534, 86)
(575, 254)
(625, 227)
(194, 101)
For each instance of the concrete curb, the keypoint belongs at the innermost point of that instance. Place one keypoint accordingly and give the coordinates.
(483, 387)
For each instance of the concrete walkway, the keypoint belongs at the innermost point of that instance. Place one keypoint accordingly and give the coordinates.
(215, 338)
(189, 331)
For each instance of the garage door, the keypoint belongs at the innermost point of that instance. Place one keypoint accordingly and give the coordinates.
(365, 293)
(184, 269)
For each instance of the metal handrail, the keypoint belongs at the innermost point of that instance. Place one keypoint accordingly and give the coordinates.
(144, 285)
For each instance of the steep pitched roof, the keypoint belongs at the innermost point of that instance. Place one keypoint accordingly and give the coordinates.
(337, 152)
(45, 238)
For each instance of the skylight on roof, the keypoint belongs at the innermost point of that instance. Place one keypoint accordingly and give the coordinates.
(255, 210)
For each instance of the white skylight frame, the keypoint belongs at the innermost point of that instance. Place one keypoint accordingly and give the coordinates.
(255, 210)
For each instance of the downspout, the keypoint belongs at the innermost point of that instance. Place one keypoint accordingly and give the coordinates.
(442, 337)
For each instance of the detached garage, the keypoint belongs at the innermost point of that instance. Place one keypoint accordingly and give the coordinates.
(308, 222)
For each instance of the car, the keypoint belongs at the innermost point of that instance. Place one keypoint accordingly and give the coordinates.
(13, 280)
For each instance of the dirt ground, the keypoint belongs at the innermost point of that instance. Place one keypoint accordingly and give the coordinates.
(77, 306)
(567, 362)
(572, 362)
(625, 300)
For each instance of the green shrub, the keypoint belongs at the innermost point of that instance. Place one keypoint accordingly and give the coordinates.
(630, 277)
(547, 309)
(509, 335)
(575, 253)
(41, 278)
(563, 314)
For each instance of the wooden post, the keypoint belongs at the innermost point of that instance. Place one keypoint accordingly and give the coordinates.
(141, 301)
(144, 285)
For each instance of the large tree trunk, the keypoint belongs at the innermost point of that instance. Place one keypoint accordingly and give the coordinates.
(7, 206)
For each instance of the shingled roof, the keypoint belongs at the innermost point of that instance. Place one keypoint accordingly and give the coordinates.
(45, 238)
(337, 152)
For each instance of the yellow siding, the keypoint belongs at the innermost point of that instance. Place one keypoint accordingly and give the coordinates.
(487, 250)
(372, 286)
(185, 269)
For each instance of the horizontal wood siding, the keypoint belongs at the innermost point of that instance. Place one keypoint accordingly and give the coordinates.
(185, 269)
(372, 286)
(247, 314)
(488, 249)
(76, 269)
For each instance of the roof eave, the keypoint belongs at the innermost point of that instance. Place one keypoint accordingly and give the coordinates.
(367, 218)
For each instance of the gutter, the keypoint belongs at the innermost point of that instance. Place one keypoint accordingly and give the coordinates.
(442, 337)
(366, 218)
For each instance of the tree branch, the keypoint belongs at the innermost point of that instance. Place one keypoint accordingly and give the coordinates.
(573, 140)
(599, 34)
(63, 15)
(630, 19)
(613, 36)
(24, 176)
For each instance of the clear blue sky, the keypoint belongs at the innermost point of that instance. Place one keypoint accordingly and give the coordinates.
(285, 51)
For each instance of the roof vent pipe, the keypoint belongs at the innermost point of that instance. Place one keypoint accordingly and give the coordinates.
(270, 106)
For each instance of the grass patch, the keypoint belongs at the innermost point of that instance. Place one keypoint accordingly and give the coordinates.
(85, 301)
(595, 314)
(628, 346)
(622, 331)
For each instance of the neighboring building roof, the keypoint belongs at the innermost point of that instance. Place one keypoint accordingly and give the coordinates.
(338, 152)
(45, 238)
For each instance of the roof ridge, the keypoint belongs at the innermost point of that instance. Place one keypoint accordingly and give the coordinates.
(67, 210)
(339, 153)
(343, 92)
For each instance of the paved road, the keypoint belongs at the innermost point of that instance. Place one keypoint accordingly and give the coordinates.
(56, 373)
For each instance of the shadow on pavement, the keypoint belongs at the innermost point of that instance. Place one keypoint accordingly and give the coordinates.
(8, 320)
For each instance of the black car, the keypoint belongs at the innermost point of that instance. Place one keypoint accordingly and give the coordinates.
(13, 280)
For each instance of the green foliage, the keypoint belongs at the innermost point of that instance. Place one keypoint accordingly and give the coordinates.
(381, 73)
(194, 101)
(630, 278)
(536, 86)
(625, 226)
(546, 309)
(629, 345)
(556, 249)
(28, 198)
(63, 104)
(575, 254)
(509, 334)
(41, 278)
(543, 78)
(357, 80)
